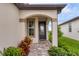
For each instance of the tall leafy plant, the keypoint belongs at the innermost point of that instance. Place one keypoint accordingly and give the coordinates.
(59, 32)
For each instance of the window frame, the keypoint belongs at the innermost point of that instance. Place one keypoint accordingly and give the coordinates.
(33, 27)
(70, 27)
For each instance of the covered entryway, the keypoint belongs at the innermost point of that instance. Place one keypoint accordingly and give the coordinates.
(31, 15)
(39, 11)
(36, 26)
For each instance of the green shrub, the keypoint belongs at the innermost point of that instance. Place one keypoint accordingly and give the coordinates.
(11, 51)
(50, 36)
(59, 32)
(57, 51)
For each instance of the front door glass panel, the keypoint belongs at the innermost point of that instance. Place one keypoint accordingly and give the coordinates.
(42, 30)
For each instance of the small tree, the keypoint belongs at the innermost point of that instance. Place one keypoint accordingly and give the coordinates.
(59, 32)
(50, 36)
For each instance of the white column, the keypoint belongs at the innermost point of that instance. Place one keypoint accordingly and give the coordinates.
(47, 29)
(26, 27)
(36, 30)
(55, 33)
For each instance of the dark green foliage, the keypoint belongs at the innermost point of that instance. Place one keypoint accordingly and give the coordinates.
(11, 51)
(57, 51)
(59, 32)
(50, 36)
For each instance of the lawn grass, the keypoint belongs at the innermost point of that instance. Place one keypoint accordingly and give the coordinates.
(69, 44)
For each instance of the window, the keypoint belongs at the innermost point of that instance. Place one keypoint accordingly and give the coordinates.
(41, 29)
(70, 28)
(31, 26)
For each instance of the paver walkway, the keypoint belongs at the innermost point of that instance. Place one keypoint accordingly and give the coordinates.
(40, 49)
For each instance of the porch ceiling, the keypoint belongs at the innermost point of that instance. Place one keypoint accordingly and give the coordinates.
(39, 16)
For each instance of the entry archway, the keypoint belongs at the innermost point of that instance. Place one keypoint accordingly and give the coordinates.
(35, 33)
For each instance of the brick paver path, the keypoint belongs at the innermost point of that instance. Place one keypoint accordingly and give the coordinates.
(40, 49)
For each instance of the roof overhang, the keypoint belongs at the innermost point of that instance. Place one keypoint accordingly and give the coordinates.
(73, 19)
(23, 6)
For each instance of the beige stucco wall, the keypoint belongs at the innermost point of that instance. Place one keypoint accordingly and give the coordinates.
(75, 29)
(11, 30)
(27, 13)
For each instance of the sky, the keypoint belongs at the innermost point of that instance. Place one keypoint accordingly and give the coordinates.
(69, 12)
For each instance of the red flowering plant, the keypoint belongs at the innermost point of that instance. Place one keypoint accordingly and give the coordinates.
(25, 45)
